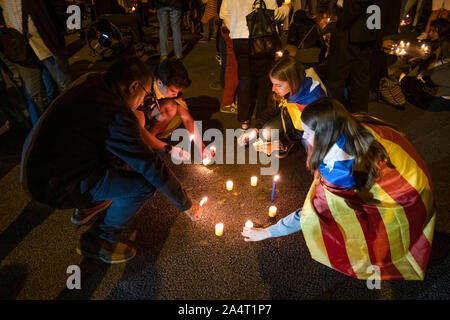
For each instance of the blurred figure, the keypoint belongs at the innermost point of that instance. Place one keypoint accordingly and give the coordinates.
(440, 8)
(169, 13)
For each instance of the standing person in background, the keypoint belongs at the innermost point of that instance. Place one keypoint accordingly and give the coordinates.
(254, 84)
(209, 21)
(38, 22)
(170, 12)
(351, 48)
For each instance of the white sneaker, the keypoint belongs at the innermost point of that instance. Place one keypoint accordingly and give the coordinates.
(423, 36)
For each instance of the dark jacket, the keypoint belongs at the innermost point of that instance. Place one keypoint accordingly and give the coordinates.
(75, 139)
(352, 18)
(46, 15)
(306, 30)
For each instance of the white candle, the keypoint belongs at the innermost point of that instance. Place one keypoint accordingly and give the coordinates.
(203, 201)
(272, 211)
(229, 185)
(254, 181)
(249, 224)
(219, 229)
(279, 53)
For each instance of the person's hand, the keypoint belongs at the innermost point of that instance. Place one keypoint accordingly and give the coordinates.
(388, 45)
(247, 136)
(195, 212)
(179, 154)
(208, 154)
(267, 147)
(256, 234)
(420, 78)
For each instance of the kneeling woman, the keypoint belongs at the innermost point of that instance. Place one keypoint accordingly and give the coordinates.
(370, 207)
(294, 89)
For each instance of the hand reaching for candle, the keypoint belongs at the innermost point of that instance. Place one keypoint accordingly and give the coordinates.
(268, 147)
(179, 154)
(247, 136)
(256, 234)
(195, 212)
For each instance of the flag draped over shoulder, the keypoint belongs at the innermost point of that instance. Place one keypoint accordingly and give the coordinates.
(390, 226)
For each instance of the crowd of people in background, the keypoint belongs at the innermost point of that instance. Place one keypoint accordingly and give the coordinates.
(308, 84)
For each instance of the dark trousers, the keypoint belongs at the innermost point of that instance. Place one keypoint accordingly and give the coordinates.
(416, 95)
(349, 61)
(254, 82)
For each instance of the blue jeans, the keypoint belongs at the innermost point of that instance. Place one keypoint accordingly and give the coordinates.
(59, 70)
(128, 190)
(172, 15)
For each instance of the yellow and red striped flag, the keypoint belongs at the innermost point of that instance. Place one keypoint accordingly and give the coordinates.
(389, 226)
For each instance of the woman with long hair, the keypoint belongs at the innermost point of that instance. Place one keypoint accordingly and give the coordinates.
(370, 207)
(294, 89)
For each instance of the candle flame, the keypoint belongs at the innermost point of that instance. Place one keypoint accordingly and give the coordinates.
(192, 137)
(203, 201)
(279, 53)
(276, 178)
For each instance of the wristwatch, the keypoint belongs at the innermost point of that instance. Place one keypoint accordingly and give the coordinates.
(167, 148)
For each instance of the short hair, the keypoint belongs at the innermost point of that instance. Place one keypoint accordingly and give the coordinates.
(172, 72)
(128, 69)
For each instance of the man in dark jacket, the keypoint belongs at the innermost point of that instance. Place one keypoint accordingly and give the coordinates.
(69, 158)
(351, 47)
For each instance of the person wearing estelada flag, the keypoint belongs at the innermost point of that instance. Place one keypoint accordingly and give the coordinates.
(371, 205)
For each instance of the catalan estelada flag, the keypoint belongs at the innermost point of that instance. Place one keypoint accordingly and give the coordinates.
(390, 226)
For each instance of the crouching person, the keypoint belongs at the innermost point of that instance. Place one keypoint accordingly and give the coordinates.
(70, 158)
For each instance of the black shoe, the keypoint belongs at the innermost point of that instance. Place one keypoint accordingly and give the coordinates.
(93, 247)
(83, 216)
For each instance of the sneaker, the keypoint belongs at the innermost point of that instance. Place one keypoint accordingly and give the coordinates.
(203, 40)
(99, 249)
(232, 108)
(284, 151)
(423, 36)
(83, 216)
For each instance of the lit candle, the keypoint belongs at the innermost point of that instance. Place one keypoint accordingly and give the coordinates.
(249, 224)
(287, 1)
(254, 181)
(203, 201)
(274, 184)
(402, 44)
(280, 53)
(229, 185)
(191, 138)
(219, 229)
(272, 211)
(407, 44)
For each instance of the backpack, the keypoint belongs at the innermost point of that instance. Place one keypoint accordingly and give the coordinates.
(391, 92)
(263, 37)
(15, 46)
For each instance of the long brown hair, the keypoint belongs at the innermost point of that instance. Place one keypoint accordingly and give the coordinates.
(291, 70)
(329, 120)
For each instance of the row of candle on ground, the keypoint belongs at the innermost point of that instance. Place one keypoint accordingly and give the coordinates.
(248, 224)
(401, 48)
(254, 183)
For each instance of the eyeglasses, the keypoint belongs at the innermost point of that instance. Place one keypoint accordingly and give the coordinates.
(149, 95)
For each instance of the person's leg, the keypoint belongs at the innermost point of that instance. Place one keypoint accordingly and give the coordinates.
(414, 93)
(32, 79)
(240, 47)
(360, 78)
(175, 23)
(263, 84)
(58, 68)
(418, 12)
(339, 65)
(231, 71)
(163, 19)
(128, 192)
(408, 7)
